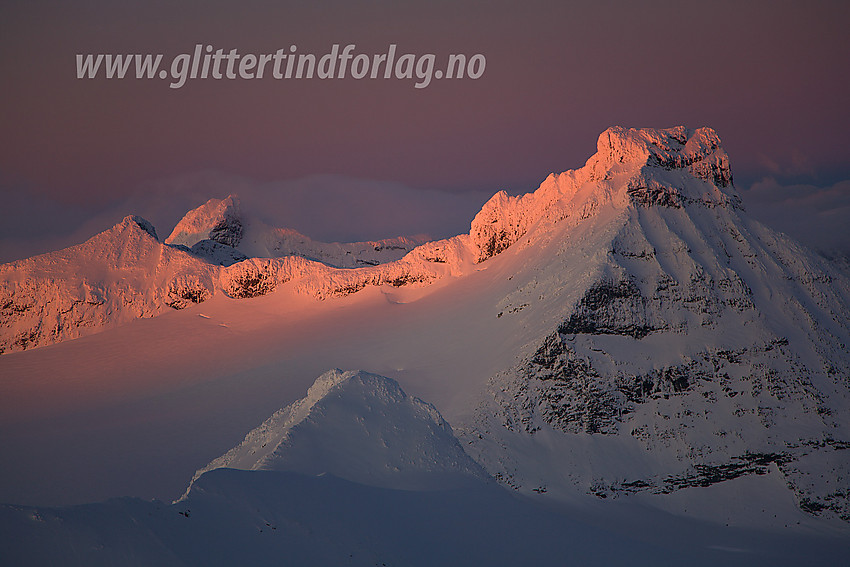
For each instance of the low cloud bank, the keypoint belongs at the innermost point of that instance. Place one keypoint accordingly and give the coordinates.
(324, 207)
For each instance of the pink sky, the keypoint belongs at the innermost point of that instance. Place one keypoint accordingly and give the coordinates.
(769, 77)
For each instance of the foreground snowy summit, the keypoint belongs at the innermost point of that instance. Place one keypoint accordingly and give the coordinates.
(360, 473)
(360, 427)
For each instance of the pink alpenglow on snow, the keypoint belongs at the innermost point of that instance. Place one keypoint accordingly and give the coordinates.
(622, 347)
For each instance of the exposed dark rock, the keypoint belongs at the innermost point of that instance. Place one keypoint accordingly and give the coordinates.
(700, 475)
(655, 195)
(181, 294)
(610, 308)
(227, 231)
(347, 289)
(145, 225)
(251, 284)
(377, 279)
(706, 475)
(215, 252)
(495, 243)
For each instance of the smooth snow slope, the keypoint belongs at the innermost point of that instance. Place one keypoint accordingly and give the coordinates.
(234, 517)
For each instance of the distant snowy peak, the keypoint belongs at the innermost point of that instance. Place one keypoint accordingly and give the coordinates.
(221, 233)
(116, 276)
(673, 167)
(219, 220)
(361, 427)
(125, 273)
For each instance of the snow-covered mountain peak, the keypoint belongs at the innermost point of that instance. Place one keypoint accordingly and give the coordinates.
(676, 147)
(724, 342)
(665, 166)
(674, 167)
(220, 232)
(219, 220)
(337, 378)
(359, 426)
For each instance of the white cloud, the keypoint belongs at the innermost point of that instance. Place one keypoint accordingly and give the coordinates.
(324, 207)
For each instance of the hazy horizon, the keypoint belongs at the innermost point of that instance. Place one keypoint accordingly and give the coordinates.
(79, 153)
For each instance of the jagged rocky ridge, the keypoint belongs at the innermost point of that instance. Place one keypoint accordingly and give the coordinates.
(649, 167)
(119, 275)
(125, 272)
(45, 299)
